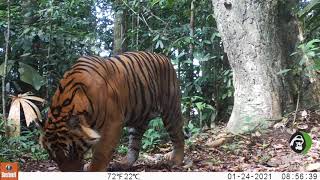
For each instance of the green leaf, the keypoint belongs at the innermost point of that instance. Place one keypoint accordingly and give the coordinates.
(27, 74)
(311, 44)
(302, 61)
(156, 38)
(214, 35)
(294, 53)
(283, 71)
(229, 83)
(207, 42)
(170, 3)
(159, 44)
(224, 96)
(154, 2)
(25, 31)
(311, 54)
(200, 106)
(198, 88)
(210, 107)
(312, 5)
(187, 61)
(25, 55)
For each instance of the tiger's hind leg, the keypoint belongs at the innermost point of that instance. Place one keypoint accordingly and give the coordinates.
(135, 136)
(174, 126)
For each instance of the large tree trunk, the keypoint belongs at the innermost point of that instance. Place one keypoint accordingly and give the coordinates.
(119, 29)
(249, 31)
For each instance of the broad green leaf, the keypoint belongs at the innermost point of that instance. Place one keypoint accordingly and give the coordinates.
(200, 106)
(27, 74)
(311, 44)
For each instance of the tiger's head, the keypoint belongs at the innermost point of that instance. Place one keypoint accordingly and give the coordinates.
(66, 134)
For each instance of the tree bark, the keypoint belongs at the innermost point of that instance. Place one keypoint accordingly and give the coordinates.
(189, 66)
(288, 31)
(249, 31)
(119, 29)
(7, 39)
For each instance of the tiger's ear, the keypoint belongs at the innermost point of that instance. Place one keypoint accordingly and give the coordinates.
(93, 136)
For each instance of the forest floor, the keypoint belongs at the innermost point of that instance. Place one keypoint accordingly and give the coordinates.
(216, 150)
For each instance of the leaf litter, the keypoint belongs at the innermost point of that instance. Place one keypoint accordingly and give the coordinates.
(215, 150)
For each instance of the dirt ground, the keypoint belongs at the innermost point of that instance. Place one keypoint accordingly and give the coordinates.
(216, 150)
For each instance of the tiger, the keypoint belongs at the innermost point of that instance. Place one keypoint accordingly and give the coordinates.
(98, 97)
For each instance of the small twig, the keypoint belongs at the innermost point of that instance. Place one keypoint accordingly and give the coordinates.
(145, 22)
(152, 14)
(137, 37)
(297, 107)
(276, 119)
(138, 15)
(49, 51)
(242, 136)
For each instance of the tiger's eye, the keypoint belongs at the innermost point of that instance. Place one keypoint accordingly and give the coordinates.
(66, 102)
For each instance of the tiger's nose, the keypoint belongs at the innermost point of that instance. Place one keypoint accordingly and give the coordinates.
(56, 111)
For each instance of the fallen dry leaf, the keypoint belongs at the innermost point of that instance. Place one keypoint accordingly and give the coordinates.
(313, 167)
(217, 142)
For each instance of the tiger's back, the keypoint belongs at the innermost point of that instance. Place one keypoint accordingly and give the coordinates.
(125, 90)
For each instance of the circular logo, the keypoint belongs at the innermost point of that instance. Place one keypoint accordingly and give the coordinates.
(8, 167)
(300, 142)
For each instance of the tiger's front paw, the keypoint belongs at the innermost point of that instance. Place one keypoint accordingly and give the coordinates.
(174, 157)
(125, 164)
(89, 167)
(86, 167)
